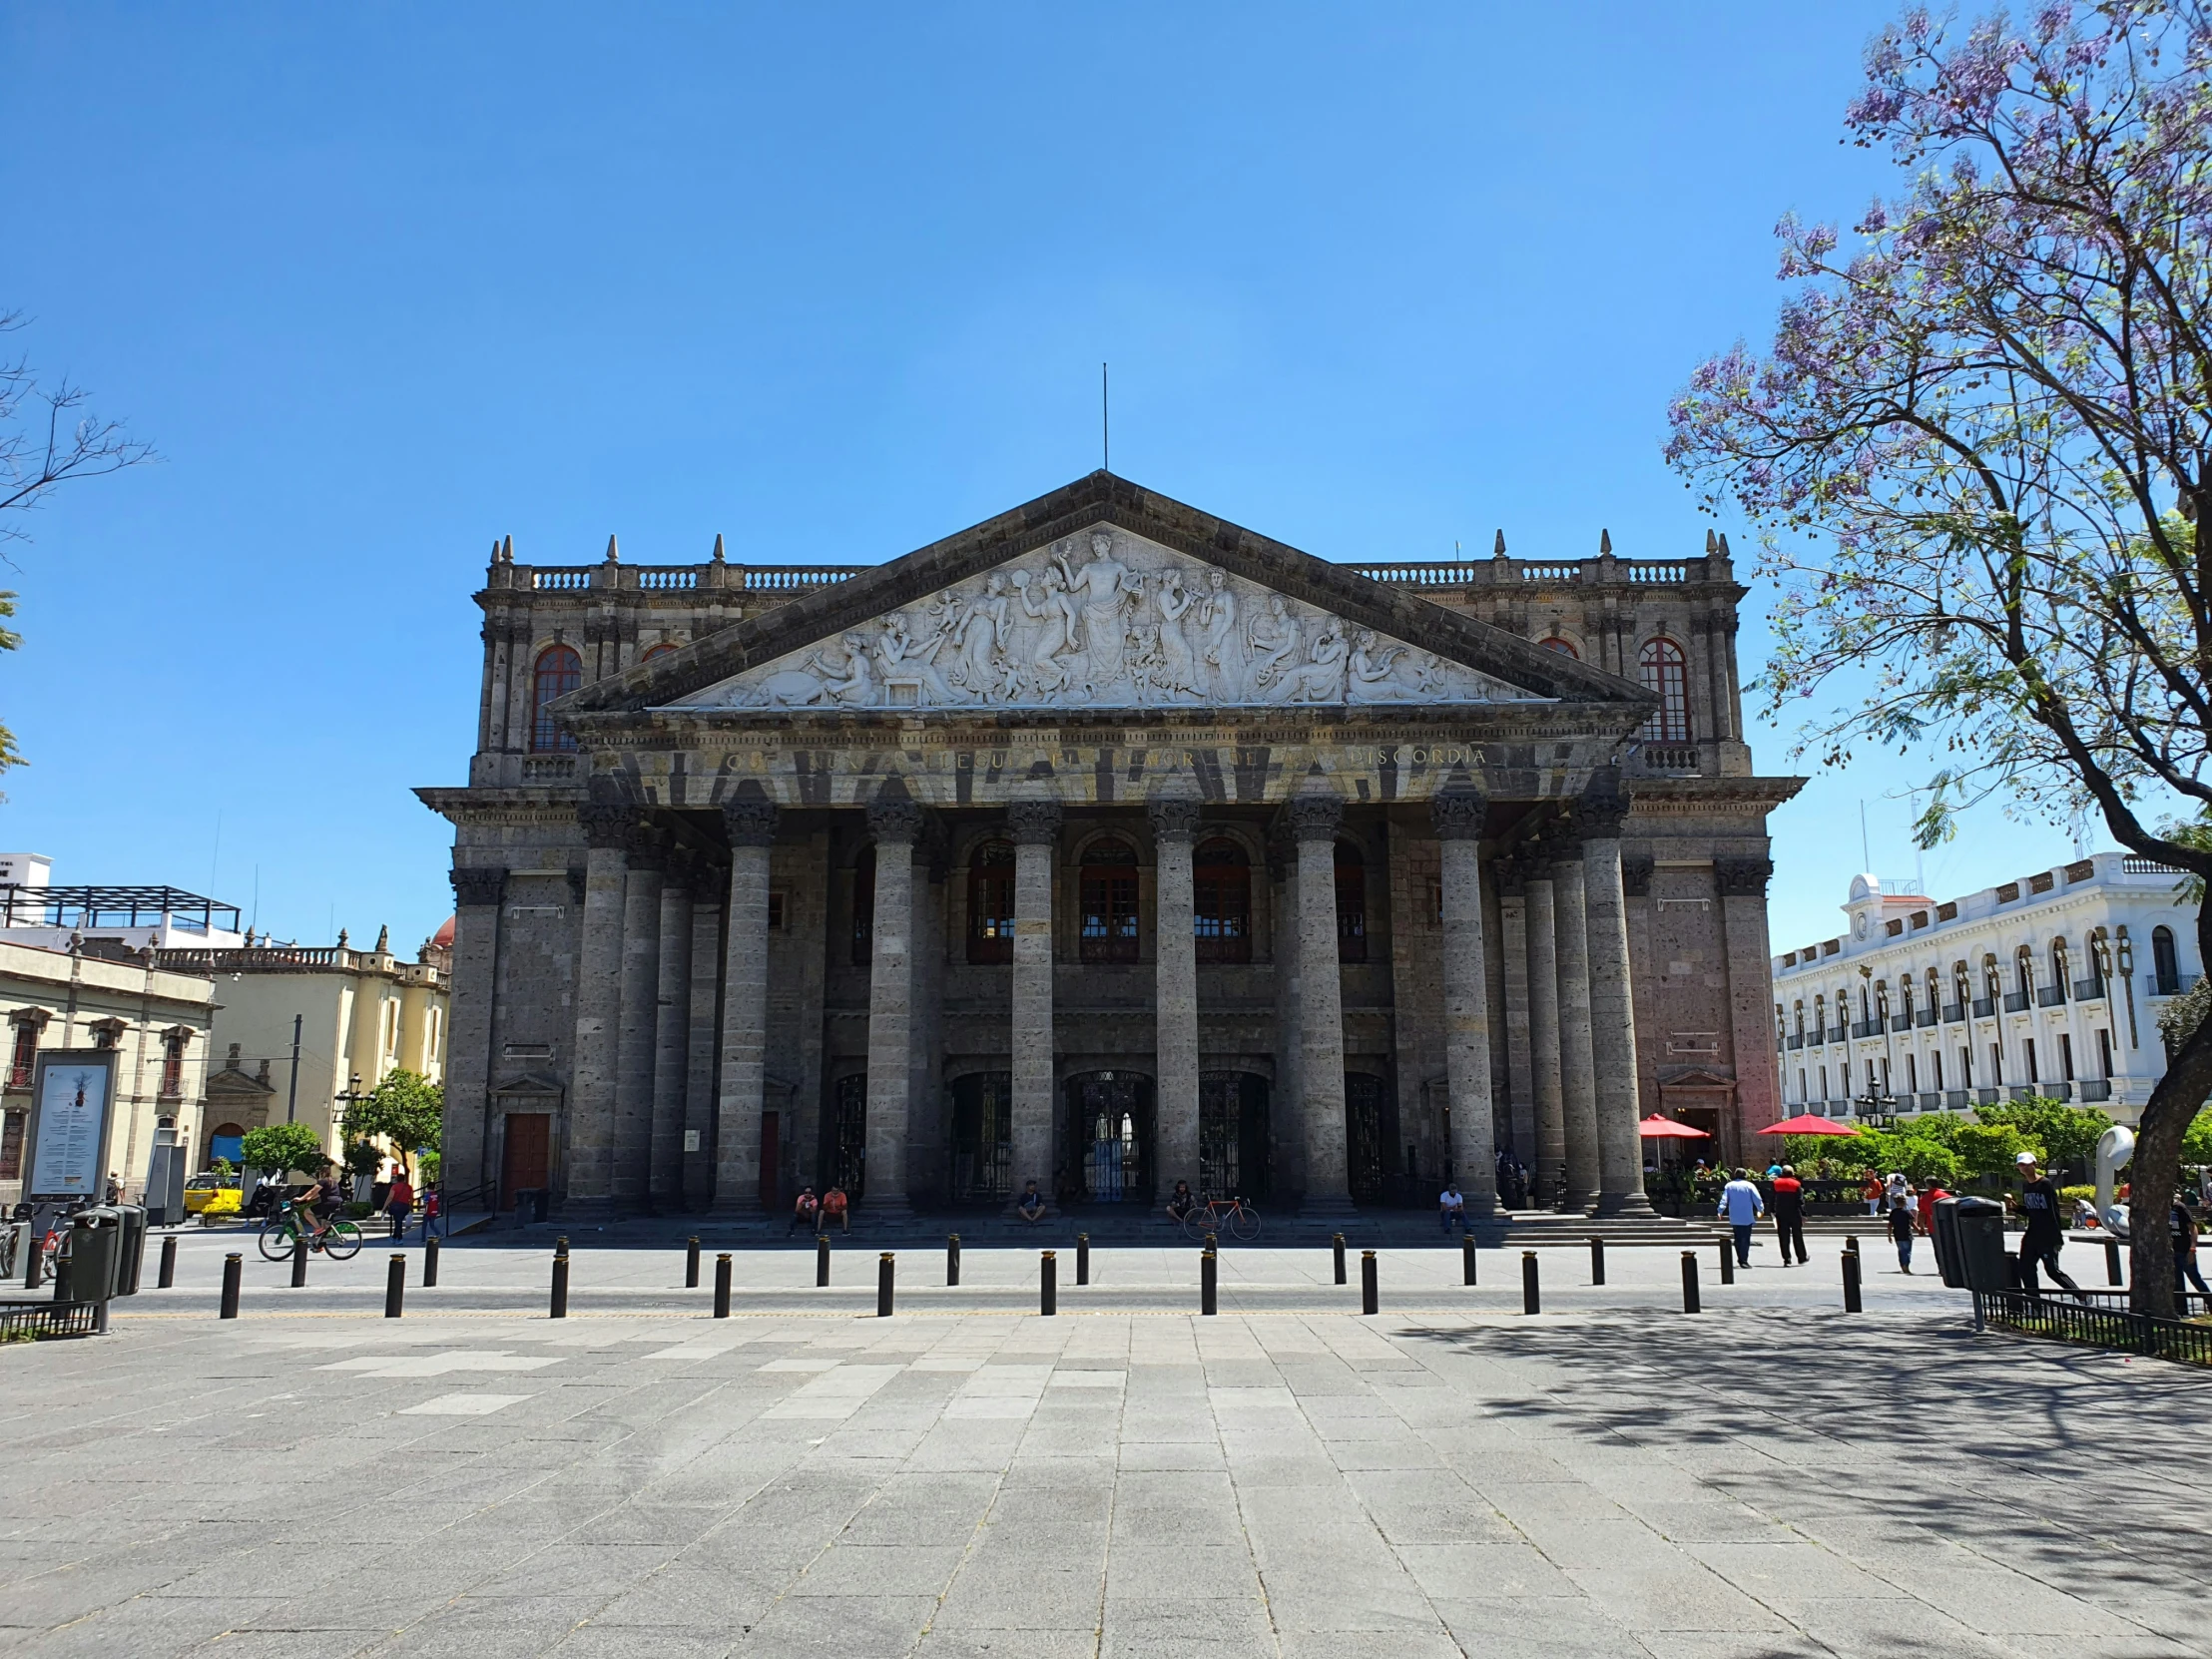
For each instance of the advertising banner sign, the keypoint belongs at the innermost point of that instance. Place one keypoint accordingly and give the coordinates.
(71, 1102)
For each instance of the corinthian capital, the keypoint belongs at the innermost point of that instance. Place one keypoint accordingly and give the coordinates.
(477, 884)
(1314, 817)
(1174, 821)
(1033, 822)
(1459, 813)
(749, 816)
(893, 816)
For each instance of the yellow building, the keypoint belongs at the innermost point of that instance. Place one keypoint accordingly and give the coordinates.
(358, 1015)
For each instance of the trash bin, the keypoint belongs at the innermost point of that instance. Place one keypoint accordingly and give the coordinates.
(1985, 1264)
(87, 1271)
(532, 1205)
(134, 1249)
(1943, 1228)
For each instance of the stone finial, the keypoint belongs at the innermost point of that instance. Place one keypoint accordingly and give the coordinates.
(1742, 878)
(1033, 822)
(749, 816)
(1724, 545)
(1459, 812)
(605, 823)
(478, 885)
(507, 550)
(718, 558)
(614, 555)
(341, 939)
(893, 816)
(1497, 549)
(1712, 543)
(384, 940)
(1604, 543)
(1314, 817)
(1174, 820)
(1636, 877)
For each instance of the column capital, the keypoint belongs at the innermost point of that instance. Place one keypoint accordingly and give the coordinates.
(1033, 822)
(749, 816)
(479, 884)
(1510, 877)
(605, 825)
(893, 816)
(1174, 820)
(1314, 818)
(1743, 877)
(648, 846)
(1560, 842)
(682, 867)
(1602, 807)
(1459, 812)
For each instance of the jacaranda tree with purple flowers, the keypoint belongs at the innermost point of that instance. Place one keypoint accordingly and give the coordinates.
(1981, 449)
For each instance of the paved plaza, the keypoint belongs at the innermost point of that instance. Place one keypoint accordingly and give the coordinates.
(1613, 1476)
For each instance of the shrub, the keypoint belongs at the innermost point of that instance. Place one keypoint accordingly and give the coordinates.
(281, 1147)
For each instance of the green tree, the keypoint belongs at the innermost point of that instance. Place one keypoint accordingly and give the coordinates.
(283, 1146)
(2196, 1145)
(2064, 1137)
(1980, 450)
(406, 1111)
(1993, 1148)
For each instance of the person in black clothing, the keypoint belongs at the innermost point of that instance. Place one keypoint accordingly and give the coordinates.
(2039, 1203)
(2183, 1225)
(1787, 1203)
(1903, 1220)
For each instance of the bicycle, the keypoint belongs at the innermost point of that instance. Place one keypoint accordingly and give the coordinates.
(1232, 1216)
(339, 1239)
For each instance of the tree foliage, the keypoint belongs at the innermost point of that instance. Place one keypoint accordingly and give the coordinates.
(406, 1111)
(281, 1147)
(1981, 445)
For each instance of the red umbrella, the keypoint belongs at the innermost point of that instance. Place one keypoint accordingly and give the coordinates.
(1656, 1128)
(1807, 1124)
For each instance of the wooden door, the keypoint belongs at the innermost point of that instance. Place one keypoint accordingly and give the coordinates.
(522, 1162)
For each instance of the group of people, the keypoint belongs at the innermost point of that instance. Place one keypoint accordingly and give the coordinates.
(816, 1214)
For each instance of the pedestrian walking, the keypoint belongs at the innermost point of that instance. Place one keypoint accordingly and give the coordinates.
(1741, 1205)
(434, 1205)
(1872, 1193)
(2040, 1245)
(1903, 1215)
(1788, 1204)
(399, 1201)
(2183, 1225)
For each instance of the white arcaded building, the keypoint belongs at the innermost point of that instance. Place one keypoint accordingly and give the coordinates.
(2047, 986)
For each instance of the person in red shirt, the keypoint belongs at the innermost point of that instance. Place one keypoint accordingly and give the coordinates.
(835, 1207)
(1786, 1201)
(1934, 1191)
(1872, 1193)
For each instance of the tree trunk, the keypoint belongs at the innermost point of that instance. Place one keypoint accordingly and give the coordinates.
(2156, 1172)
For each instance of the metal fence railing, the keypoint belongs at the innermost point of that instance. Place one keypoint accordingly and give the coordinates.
(47, 1319)
(2096, 1319)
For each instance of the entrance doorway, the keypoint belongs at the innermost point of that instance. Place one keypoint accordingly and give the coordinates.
(1364, 1136)
(982, 1138)
(1233, 1135)
(848, 1161)
(523, 1155)
(1109, 1141)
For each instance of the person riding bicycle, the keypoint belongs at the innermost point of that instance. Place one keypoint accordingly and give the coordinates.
(1180, 1202)
(325, 1186)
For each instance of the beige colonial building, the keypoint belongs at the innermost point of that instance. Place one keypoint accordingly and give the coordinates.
(1105, 844)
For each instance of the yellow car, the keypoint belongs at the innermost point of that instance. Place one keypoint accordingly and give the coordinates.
(210, 1194)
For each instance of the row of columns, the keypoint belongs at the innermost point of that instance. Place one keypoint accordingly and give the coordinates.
(640, 1012)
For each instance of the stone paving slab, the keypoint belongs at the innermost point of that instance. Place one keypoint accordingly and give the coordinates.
(1769, 1478)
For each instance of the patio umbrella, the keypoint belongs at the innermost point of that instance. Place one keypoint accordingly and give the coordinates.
(1807, 1124)
(1657, 1128)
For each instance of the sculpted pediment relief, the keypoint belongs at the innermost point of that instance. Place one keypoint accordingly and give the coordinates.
(1105, 619)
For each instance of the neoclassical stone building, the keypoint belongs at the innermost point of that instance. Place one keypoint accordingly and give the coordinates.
(1105, 844)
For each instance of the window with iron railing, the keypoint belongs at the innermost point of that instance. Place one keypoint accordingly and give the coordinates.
(1107, 891)
(1221, 902)
(992, 903)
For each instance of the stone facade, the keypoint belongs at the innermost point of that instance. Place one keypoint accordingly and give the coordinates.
(1104, 845)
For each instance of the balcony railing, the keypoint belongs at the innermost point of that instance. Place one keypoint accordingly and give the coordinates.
(2050, 996)
(1837, 1033)
(1987, 1097)
(1795, 1040)
(1954, 1100)
(1985, 1008)
(1931, 1100)
(1866, 1028)
(1900, 1022)
(2014, 1001)
(2090, 990)
(1925, 1018)
(1953, 1013)
(2096, 1088)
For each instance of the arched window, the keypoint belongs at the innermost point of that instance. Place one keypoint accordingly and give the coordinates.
(1666, 673)
(864, 907)
(1820, 1020)
(1882, 999)
(1108, 890)
(2164, 964)
(560, 671)
(1563, 647)
(1799, 1010)
(1352, 904)
(1221, 902)
(1993, 981)
(1905, 992)
(2023, 970)
(990, 903)
(2058, 955)
(661, 650)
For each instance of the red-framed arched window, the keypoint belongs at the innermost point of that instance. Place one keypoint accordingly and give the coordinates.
(661, 650)
(1565, 648)
(560, 671)
(1667, 673)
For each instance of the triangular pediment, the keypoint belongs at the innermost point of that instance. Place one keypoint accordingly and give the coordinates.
(1102, 596)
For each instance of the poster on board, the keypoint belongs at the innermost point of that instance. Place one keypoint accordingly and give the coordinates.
(71, 1099)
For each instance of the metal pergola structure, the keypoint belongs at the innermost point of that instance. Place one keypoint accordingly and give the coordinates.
(83, 907)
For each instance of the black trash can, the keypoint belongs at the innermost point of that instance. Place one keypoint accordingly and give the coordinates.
(1942, 1228)
(532, 1205)
(87, 1271)
(134, 1249)
(1985, 1264)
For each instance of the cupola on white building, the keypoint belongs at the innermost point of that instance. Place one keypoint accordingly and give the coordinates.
(2050, 985)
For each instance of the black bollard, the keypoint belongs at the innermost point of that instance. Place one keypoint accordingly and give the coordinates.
(1340, 1257)
(559, 1308)
(885, 1267)
(1690, 1303)
(1728, 1262)
(299, 1259)
(952, 1259)
(1209, 1242)
(691, 1264)
(1048, 1284)
(1851, 1281)
(1597, 1261)
(1369, 1298)
(395, 1286)
(1209, 1283)
(1851, 1242)
(821, 1260)
(233, 1269)
(169, 1264)
(722, 1285)
(1466, 1260)
(430, 1262)
(1530, 1302)
(1082, 1258)
(2112, 1262)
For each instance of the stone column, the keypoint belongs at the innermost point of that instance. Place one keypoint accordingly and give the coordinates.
(1543, 1034)
(1577, 1062)
(896, 822)
(701, 1037)
(1512, 956)
(1457, 813)
(925, 1126)
(1035, 826)
(749, 820)
(1613, 1006)
(1175, 996)
(671, 1038)
(634, 1053)
(477, 891)
(591, 1079)
(1321, 1015)
(1286, 1120)
(1742, 884)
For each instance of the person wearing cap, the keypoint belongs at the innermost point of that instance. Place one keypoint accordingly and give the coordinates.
(2039, 1203)
(1788, 1205)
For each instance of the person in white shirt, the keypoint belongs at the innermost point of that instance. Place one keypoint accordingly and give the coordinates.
(1741, 1207)
(1451, 1208)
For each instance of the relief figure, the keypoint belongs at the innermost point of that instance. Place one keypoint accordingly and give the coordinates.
(1276, 640)
(1178, 667)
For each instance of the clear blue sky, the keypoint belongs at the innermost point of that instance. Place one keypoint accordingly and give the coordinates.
(385, 282)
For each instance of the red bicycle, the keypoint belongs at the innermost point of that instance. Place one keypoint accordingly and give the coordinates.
(1232, 1216)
